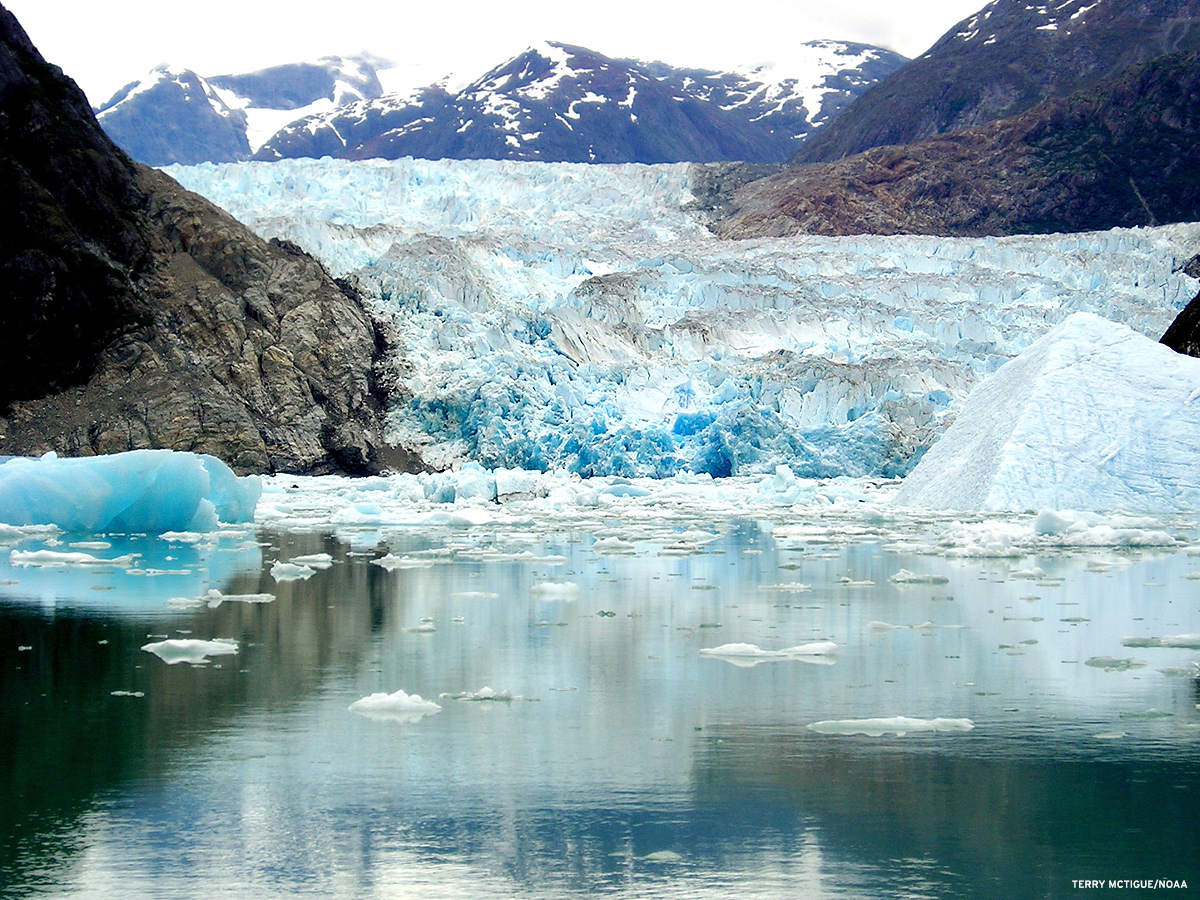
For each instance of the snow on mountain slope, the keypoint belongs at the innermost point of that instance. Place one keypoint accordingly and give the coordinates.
(558, 315)
(1092, 416)
(556, 102)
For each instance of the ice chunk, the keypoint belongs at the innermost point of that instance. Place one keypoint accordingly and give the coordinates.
(190, 650)
(396, 707)
(898, 725)
(215, 598)
(313, 560)
(142, 491)
(391, 562)
(290, 571)
(1110, 664)
(906, 577)
(741, 654)
(1039, 432)
(57, 558)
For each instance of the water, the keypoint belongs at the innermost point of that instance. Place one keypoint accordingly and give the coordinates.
(627, 763)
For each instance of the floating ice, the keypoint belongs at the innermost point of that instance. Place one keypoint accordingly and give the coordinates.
(396, 707)
(57, 558)
(898, 725)
(142, 491)
(1041, 432)
(215, 598)
(313, 561)
(391, 562)
(906, 577)
(1184, 641)
(190, 650)
(1111, 664)
(820, 652)
(484, 694)
(290, 571)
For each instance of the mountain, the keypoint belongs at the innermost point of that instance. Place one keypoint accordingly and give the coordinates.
(559, 103)
(553, 102)
(1123, 153)
(1005, 59)
(177, 116)
(139, 315)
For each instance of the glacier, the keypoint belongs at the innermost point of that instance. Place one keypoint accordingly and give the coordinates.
(142, 491)
(1093, 416)
(581, 318)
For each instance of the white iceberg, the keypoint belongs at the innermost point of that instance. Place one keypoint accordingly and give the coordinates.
(1093, 416)
(897, 725)
(399, 706)
(190, 650)
(142, 491)
(742, 654)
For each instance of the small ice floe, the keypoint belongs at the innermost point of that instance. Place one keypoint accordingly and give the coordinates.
(191, 651)
(475, 595)
(614, 546)
(662, 856)
(391, 562)
(1150, 713)
(555, 590)
(1192, 671)
(897, 725)
(396, 707)
(1034, 573)
(426, 626)
(791, 587)
(847, 581)
(484, 695)
(215, 598)
(1110, 735)
(127, 693)
(876, 625)
(57, 558)
(1178, 641)
(286, 571)
(906, 577)
(90, 545)
(747, 655)
(155, 573)
(319, 561)
(1110, 664)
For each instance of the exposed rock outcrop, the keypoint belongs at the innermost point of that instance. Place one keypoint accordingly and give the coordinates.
(1121, 154)
(138, 314)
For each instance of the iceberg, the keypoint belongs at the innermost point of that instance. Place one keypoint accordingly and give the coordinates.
(399, 706)
(142, 492)
(1092, 416)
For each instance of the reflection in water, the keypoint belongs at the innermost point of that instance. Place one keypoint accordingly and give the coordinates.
(610, 755)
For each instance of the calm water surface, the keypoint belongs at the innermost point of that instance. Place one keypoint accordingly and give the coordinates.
(627, 763)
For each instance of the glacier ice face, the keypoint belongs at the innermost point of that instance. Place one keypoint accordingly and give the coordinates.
(1093, 416)
(142, 491)
(580, 317)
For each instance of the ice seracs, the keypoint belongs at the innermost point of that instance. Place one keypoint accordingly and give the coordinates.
(1092, 416)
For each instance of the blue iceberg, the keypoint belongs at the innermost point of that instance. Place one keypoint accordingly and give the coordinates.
(142, 492)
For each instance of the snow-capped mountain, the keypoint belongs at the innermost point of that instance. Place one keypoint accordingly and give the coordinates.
(1003, 60)
(174, 115)
(553, 102)
(556, 102)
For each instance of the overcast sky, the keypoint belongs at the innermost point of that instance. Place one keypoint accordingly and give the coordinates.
(104, 44)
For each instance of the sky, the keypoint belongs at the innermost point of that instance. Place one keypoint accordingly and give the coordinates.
(105, 45)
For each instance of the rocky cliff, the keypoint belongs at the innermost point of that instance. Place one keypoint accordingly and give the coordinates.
(137, 314)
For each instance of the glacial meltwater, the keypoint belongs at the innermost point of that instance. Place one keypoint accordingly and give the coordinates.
(632, 700)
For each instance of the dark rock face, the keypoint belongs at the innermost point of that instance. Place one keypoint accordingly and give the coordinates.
(1002, 61)
(1184, 334)
(1123, 153)
(137, 314)
(559, 103)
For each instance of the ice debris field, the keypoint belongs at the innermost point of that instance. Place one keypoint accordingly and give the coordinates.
(559, 316)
